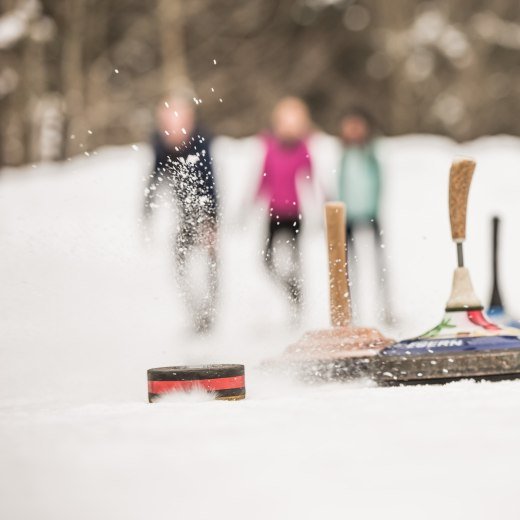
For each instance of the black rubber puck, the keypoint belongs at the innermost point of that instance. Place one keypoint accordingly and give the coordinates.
(224, 381)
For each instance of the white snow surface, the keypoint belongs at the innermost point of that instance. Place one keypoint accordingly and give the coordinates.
(87, 305)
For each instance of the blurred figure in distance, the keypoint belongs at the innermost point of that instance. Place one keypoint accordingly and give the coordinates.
(286, 160)
(359, 186)
(183, 167)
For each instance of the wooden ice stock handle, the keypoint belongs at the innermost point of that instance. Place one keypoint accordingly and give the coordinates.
(338, 278)
(461, 174)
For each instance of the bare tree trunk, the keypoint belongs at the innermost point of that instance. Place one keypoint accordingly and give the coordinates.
(35, 67)
(99, 70)
(73, 77)
(171, 28)
(397, 19)
(16, 135)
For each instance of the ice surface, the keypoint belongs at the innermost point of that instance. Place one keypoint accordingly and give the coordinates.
(87, 305)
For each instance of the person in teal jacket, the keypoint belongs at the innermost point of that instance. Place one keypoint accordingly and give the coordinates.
(359, 179)
(359, 183)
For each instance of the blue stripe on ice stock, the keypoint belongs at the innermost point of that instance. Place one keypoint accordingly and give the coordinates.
(461, 344)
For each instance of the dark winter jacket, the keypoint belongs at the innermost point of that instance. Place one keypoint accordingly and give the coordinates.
(187, 171)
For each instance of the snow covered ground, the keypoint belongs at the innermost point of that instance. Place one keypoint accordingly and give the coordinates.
(87, 305)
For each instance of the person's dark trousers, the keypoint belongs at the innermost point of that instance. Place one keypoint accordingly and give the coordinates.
(352, 228)
(193, 240)
(291, 281)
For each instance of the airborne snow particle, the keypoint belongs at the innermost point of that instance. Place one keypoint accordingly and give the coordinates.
(116, 71)
(135, 147)
(214, 62)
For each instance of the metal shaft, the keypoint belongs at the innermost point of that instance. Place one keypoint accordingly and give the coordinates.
(460, 255)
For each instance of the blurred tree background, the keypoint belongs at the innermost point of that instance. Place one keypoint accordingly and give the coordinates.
(77, 74)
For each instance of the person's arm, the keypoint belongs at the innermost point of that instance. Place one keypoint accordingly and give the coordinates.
(308, 166)
(206, 164)
(325, 154)
(154, 178)
(255, 186)
(265, 179)
(342, 177)
(376, 172)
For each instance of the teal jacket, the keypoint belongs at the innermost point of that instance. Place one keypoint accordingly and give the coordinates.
(360, 182)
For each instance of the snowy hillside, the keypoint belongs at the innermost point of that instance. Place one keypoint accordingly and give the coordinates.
(88, 303)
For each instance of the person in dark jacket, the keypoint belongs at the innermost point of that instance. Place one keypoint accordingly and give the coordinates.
(183, 166)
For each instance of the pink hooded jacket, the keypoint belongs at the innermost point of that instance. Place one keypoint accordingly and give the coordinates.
(283, 164)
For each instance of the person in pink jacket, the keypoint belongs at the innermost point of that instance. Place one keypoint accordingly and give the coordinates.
(286, 160)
